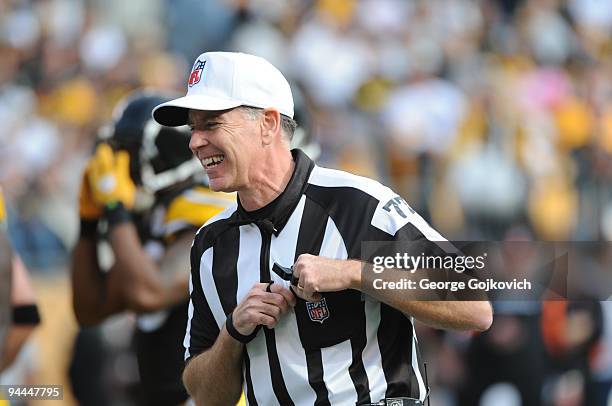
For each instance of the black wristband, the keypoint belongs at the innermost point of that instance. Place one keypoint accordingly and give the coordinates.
(26, 315)
(89, 228)
(229, 326)
(116, 213)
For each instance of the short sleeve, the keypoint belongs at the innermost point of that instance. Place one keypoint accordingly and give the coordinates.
(395, 221)
(202, 329)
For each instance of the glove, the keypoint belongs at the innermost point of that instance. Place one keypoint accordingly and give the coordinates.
(109, 178)
(89, 210)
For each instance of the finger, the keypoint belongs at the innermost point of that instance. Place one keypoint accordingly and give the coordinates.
(91, 170)
(294, 291)
(88, 207)
(313, 297)
(269, 310)
(309, 292)
(100, 164)
(297, 270)
(256, 313)
(299, 292)
(104, 157)
(267, 321)
(260, 286)
(123, 162)
(284, 292)
(256, 290)
(301, 261)
(294, 280)
(276, 299)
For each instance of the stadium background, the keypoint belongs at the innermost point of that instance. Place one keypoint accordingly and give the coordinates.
(491, 118)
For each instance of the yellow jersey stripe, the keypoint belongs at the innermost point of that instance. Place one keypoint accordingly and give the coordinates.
(194, 208)
(2, 208)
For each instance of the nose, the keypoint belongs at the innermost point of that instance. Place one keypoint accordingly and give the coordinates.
(198, 139)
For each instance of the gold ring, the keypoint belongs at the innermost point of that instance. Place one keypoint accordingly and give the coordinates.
(300, 287)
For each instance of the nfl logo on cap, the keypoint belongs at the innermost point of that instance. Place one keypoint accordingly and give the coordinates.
(196, 72)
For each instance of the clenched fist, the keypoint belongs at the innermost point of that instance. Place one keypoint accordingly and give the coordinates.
(317, 274)
(109, 177)
(260, 307)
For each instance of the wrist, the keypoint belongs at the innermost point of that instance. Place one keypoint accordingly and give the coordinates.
(116, 213)
(237, 335)
(88, 228)
(354, 274)
(242, 329)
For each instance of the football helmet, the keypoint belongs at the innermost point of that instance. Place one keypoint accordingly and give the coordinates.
(159, 156)
(304, 136)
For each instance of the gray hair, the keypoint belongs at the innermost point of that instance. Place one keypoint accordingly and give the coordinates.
(288, 125)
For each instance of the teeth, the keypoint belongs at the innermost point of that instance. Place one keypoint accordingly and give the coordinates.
(213, 160)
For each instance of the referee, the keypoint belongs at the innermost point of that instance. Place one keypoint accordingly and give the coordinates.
(320, 341)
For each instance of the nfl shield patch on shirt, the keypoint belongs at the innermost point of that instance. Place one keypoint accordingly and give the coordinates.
(318, 311)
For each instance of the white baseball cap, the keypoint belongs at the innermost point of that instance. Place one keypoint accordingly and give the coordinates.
(224, 80)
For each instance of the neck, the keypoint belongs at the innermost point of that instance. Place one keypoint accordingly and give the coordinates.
(270, 183)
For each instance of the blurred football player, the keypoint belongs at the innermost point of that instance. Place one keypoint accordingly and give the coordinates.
(18, 311)
(5, 276)
(141, 193)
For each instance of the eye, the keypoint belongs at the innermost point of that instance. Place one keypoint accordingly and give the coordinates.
(203, 126)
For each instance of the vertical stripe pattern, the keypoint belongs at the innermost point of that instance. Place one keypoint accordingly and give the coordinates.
(344, 350)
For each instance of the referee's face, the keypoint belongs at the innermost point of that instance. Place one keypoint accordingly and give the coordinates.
(226, 144)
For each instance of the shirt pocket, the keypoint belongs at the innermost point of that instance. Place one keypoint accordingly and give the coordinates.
(334, 319)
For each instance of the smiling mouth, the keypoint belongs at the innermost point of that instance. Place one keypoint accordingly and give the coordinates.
(212, 161)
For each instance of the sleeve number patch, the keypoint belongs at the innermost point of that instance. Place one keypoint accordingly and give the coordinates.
(399, 205)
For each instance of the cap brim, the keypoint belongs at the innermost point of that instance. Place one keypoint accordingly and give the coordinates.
(175, 112)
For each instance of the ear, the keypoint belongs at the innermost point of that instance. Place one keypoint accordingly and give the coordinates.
(270, 126)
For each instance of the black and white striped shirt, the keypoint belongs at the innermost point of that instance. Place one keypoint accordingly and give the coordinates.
(350, 349)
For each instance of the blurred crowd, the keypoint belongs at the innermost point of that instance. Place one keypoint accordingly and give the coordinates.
(493, 119)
